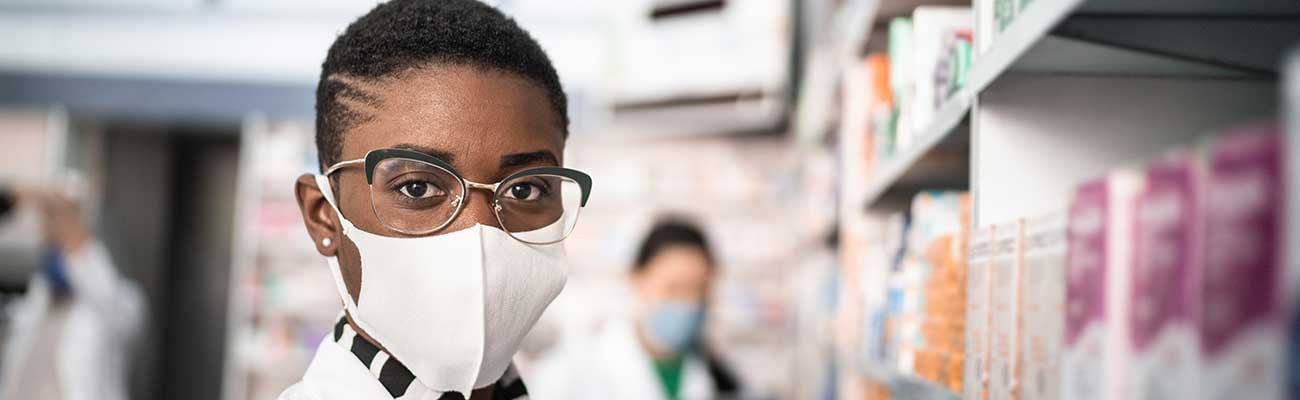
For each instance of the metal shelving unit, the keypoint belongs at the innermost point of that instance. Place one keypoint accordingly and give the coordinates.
(1074, 88)
(1082, 38)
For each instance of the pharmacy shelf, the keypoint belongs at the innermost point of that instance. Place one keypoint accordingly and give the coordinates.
(1194, 38)
(907, 386)
(930, 163)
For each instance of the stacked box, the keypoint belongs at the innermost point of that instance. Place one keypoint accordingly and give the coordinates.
(975, 374)
(1097, 261)
(1166, 268)
(1243, 325)
(1043, 307)
(1005, 312)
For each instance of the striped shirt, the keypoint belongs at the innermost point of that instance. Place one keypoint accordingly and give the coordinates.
(400, 382)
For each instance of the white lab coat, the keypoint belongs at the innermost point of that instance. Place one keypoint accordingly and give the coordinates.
(103, 317)
(335, 374)
(614, 366)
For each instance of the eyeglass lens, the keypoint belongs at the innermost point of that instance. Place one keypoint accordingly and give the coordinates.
(415, 197)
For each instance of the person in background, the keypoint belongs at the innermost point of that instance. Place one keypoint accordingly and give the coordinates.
(441, 205)
(657, 353)
(70, 335)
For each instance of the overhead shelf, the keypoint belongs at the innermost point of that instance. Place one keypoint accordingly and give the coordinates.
(1194, 38)
(1228, 8)
(938, 159)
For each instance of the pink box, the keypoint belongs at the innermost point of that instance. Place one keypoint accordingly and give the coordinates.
(1243, 322)
(1165, 283)
(1097, 273)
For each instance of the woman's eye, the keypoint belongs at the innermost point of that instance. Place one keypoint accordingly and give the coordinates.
(524, 191)
(418, 190)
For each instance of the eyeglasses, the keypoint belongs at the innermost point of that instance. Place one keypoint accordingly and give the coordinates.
(417, 194)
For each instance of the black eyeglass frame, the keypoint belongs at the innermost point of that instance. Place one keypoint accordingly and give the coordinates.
(374, 157)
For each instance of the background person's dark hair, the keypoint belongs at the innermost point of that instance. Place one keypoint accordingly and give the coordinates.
(399, 35)
(671, 232)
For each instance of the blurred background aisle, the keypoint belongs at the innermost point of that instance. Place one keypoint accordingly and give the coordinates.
(846, 157)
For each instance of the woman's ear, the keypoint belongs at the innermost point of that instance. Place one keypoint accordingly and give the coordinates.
(318, 215)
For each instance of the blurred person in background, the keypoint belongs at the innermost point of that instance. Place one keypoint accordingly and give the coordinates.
(442, 203)
(657, 352)
(70, 336)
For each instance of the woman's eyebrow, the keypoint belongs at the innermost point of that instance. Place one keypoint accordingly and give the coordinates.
(522, 159)
(439, 154)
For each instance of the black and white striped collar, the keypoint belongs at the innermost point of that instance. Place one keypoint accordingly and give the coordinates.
(400, 382)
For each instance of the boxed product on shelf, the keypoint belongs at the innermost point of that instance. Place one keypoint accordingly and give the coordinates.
(1004, 312)
(934, 28)
(1243, 322)
(902, 79)
(870, 108)
(1004, 11)
(1043, 307)
(943, 327)
(975, 374)
(892, 315)
(1097, 272)
(953, 70)
(1166, 268)
(881, 117)
(995, 16)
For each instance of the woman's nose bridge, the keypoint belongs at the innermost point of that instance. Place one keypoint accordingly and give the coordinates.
(479, 210)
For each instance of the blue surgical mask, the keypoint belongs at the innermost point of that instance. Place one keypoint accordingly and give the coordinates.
(673, 325)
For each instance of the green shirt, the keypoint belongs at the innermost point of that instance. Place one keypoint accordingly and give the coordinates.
(670, 374)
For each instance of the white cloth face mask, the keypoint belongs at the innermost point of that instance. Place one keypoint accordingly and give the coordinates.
(451, 307)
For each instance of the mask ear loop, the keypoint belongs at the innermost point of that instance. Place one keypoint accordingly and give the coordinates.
(336, 270)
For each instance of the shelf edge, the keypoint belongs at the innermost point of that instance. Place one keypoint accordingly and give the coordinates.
(946, 122)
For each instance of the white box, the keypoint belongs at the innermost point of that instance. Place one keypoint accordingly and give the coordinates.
(975, 370)
(1004, 268)
(932, 26)
(1043, 307)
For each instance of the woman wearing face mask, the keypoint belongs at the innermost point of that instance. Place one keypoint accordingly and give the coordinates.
(441, 204)
(657, 354)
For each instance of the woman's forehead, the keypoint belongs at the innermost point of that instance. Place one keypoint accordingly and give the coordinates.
(476, 116)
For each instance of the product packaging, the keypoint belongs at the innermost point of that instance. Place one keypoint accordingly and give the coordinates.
(1166, 271)
(1243, 321)
(975, 375)
(1042, 307)
(1005, 312)
(933, 28)
(1098, 258)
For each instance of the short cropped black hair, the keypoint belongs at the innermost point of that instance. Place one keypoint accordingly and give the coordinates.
(399, 35)
(671, 231)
